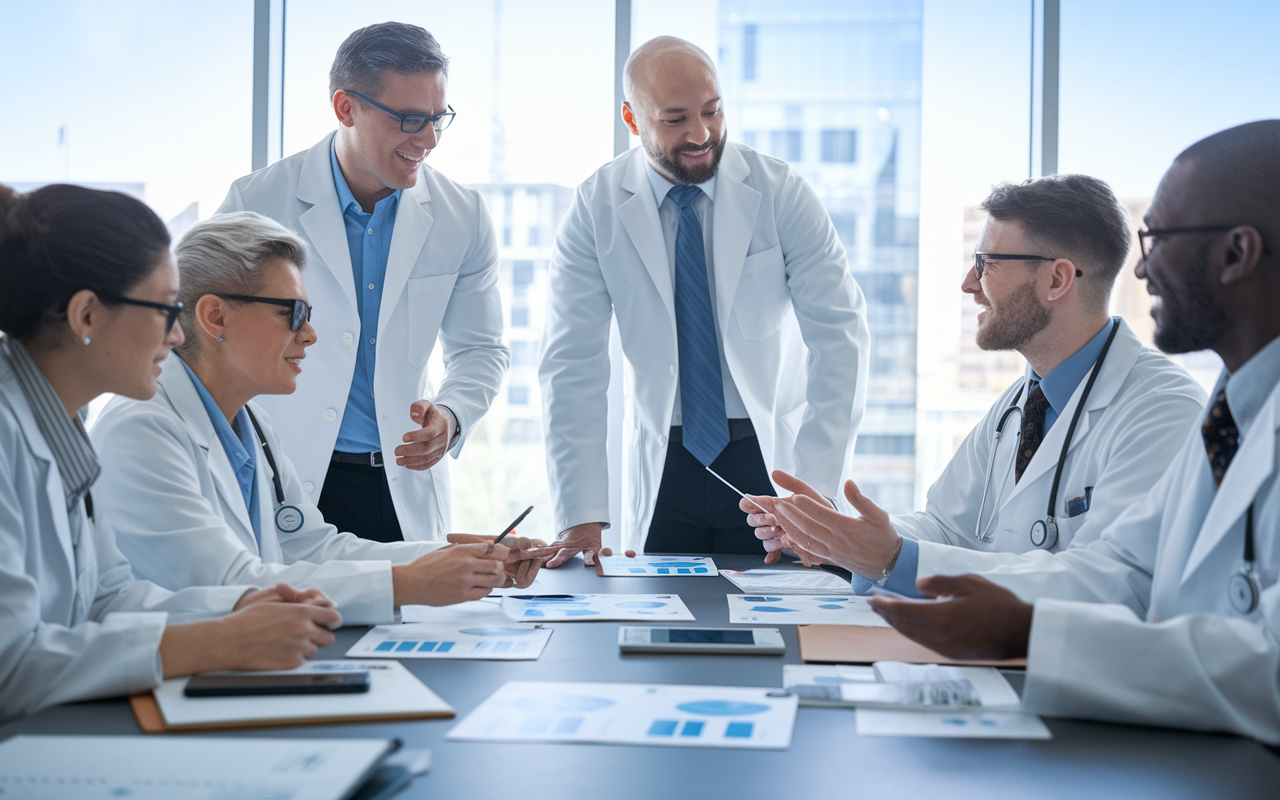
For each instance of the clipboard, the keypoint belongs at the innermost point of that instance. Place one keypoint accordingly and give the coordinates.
(851, 644)
(147, 711)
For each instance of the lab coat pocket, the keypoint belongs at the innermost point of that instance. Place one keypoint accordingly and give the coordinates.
(762, 298)
(425, 301)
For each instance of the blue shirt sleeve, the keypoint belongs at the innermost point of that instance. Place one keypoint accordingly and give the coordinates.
(903, 578)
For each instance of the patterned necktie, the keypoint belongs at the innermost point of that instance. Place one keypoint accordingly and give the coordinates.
(1221, 436)
(1033, 414)
(706, 425)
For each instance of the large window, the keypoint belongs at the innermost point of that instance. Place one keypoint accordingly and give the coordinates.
(149, 97)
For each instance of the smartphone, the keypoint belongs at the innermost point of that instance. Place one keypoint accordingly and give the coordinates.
(241, 684)
(730, 641)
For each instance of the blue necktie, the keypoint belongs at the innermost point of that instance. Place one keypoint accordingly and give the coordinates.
(706, 426)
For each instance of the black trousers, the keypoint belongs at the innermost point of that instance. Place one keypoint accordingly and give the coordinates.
(357, 498)
(695, 513)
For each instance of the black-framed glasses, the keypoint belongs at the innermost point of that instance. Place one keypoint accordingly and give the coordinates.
(412, 123)
(1154, 234)
(980, 261)
(301, 309)
(171, 311)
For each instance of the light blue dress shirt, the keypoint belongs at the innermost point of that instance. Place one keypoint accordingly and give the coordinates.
(1058, 387)
(369, 241)
(239, 446)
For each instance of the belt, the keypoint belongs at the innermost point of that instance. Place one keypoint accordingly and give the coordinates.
(373, 459)
(739, 429)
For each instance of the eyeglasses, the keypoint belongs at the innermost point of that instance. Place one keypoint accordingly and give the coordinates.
(301, 309)
(1154, 235)
(980, 261)
(412, 123)
(171, 312)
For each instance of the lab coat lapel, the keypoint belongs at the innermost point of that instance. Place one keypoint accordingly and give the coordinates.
(1120, 360)
(413, 224)
(181, 393)
(1252, 465)
(323, 221)
(735, 209)
(54, 489)
(639, 216)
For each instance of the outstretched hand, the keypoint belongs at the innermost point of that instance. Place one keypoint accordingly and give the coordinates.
(821, 535)
(967, 617)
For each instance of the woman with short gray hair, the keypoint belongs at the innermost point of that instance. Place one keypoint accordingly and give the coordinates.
(195, 481)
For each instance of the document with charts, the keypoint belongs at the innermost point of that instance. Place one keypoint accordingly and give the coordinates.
(803, 609)
(655, 566)
(951, 725)
(505, 642)
(596, 608)
(627, 713)
(186, 767)
(787, 581)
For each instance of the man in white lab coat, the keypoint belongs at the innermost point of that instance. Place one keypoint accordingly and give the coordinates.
(1082, 436)
(401, 256)
(744, 334)
(1197, 560)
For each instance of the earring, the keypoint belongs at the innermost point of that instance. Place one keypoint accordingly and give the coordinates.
(86, 341)
(222, 338)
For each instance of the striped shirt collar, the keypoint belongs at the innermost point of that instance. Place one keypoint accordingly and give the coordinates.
(66, 436)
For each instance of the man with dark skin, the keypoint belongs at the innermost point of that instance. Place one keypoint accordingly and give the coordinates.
(1207, 655)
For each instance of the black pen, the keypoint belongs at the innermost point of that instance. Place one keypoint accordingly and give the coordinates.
(510, 528)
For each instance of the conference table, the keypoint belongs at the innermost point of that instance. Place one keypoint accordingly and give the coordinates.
(827, 757)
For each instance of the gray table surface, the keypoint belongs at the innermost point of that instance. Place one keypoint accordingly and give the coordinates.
(827, 758)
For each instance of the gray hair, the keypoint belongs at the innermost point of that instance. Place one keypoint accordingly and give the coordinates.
(365, 54)
(226, 255)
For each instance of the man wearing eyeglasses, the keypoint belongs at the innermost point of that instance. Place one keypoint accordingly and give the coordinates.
(1066, 449)
(1172, 616)
(402, 256)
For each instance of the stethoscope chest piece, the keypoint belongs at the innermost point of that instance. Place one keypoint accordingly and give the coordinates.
(1243, 592)
(289, 519)
(1044, 533)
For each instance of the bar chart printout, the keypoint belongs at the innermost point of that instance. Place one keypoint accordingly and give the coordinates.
(636, 714)
(656, 566)
(506, 642)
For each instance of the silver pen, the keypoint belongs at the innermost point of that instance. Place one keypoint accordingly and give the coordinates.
(736, 489)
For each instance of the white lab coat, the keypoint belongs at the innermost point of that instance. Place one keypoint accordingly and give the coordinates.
(169, 494)
(1133, 424)
(441, 281)
(791, 318)
(76, 624)
(1179, 654)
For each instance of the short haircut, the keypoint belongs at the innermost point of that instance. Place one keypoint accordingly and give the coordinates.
(367, 53)
(1073, 216)
(1240, 168)
(62, 239)
(226, 255)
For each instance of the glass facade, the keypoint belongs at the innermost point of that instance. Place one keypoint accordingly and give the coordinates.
(834, 87)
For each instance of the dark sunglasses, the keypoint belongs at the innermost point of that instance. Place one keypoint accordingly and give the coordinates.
(171, 311)
(301, 310)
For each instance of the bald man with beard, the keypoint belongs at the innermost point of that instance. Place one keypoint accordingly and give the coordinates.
(744, 335)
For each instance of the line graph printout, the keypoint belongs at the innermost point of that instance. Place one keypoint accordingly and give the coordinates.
(596, 608)
(637, 714)
(803, 609)
(653, 566)
(505, 642)
(787, 581)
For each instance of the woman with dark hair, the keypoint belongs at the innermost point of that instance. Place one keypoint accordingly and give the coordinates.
(88, 305)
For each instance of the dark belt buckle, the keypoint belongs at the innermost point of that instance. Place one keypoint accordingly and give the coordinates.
(375, 458)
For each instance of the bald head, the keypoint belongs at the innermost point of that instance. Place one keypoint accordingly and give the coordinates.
(1236, 173)
(665, 63)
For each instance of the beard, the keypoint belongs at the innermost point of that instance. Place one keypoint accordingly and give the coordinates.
(670, 162)
(1190, 318)
(1020, 317)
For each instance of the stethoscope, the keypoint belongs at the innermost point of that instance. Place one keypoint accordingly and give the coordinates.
(288, 517)
(1044, 532)
(1242, 588)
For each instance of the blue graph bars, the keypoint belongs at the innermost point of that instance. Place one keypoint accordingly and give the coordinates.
(694, 728)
